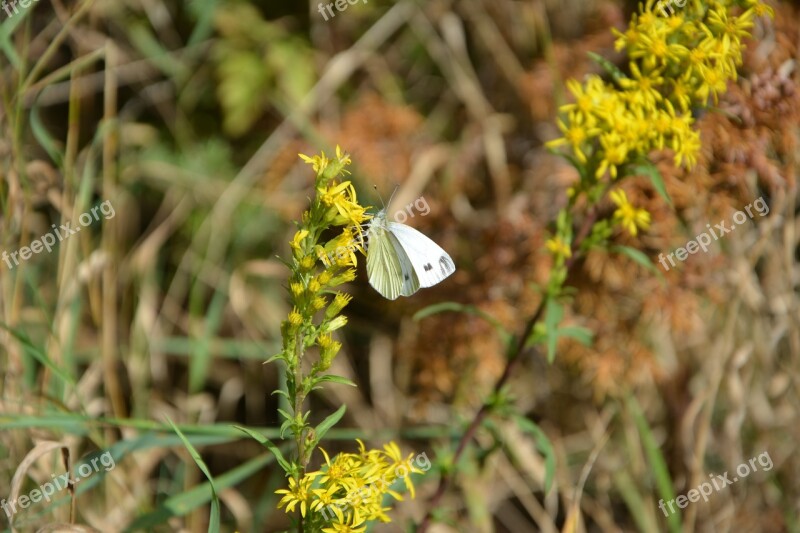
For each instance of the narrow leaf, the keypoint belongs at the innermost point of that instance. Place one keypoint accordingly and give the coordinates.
(638, 257)
(656, 459)
(552, 318)
(608, 66)
(651, 171)
(329, 422)
(544, 446)
(580, 334)
(287, 467)
(335, 379)
(213, 520)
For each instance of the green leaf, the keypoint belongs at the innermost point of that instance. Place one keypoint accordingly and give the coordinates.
(650, 171)
(553, 314)
(244, 84)
(7, 28)
(200, 362)
(580, 334)
(286, 465)
(577, 165)
(608, 66)
(334, 379)
(213, 520)
(328, 423)
(203, 11)
(184, 503)
(39, 355)
(544, 445)
(656, 460)
(46, 140)
(633, 499)
(639, 257)
(467, 309)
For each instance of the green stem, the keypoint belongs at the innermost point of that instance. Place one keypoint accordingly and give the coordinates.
(299, 398)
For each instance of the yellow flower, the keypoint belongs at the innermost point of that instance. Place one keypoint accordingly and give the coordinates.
(662, 124)
(714, 82)
(296, 288)
(326, 501)
(295, 318)
(629, 40)
(342, 248)
(643, 88)
(307, 262)
(297, 493)
(575, 134)
(354, 526)
(317, 162)
(729, 26)
(760, 9)
(682, 92)
(344, 277)
(399, 467)
(615, 153)
(313, 286)
(686, 145)
(629, 217)
(338, 470)
(297, 241)
(656, 50)
(585, 97)
(343, 205)
(339, 302)
(558, 247)
(318, 303)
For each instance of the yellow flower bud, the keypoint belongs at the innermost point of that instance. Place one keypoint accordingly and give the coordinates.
(314, 286)
(339, 303)
(296, 288)
(318, 303)
(295, 318)
(307, 262)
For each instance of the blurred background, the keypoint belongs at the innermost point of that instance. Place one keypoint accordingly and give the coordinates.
(187, 117)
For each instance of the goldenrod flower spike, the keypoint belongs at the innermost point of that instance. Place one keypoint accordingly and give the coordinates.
(346, 494)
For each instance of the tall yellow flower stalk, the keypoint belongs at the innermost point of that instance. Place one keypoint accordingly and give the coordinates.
(347, 492)
(680, 60)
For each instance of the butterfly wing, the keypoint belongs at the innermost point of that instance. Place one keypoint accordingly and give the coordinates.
(411, 282)
(383, 264)
(430, 262)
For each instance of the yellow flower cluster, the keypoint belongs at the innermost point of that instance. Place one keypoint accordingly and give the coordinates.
(346, 493)
(627, 216)
(558, 247)
(676, 62)
(335, 205)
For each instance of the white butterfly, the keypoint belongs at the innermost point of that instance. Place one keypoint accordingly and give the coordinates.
(400, 259)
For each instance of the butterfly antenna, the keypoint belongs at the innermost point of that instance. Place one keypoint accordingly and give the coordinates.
(393, 193)
(380, 197)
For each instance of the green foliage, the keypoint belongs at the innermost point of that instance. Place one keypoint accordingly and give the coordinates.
(256, 61)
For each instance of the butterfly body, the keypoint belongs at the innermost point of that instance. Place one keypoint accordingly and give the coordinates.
(401, 260)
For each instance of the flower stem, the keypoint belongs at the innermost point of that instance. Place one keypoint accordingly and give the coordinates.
(519, 354)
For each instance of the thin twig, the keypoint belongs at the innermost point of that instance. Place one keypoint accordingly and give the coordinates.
(519, 355)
